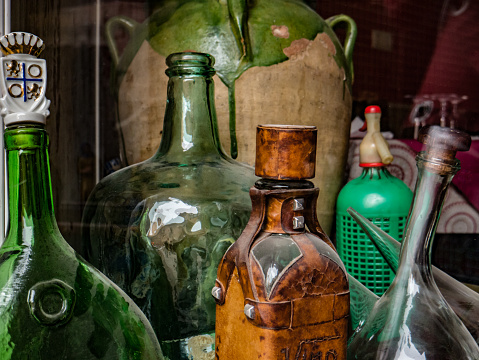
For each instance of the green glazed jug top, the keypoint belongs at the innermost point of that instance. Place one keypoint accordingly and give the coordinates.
(237, 33)
(232, 31)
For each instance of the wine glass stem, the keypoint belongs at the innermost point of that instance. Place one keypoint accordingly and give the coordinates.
(443, 113)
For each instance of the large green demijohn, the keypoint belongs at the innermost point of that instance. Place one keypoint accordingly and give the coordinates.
(277, 62)
(53, 304)
(159, 228)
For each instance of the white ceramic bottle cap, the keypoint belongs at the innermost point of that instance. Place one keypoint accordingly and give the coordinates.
(23, 79)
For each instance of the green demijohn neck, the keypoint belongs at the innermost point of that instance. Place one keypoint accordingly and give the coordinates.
(412, 320)
(190, 130)
(29, 186)
(53, 305)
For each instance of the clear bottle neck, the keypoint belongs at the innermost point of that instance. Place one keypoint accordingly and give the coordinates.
(431, 188)
(29, 185)
(190, 130)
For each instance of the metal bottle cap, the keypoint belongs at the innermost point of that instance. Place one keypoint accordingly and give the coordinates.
(23, 79)
(286, 152)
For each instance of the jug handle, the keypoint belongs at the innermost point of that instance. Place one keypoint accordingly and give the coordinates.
(118, 21)
(351, 34)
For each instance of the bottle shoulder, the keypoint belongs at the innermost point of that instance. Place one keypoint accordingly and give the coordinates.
(366, 194)
(360, 186)
(149, 183)
(326, 250)
(283, 259)
(150, 177)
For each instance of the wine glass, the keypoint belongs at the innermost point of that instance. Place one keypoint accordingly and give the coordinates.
(455, 113)
(423, 107)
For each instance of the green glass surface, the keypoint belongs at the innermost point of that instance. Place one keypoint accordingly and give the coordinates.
(159, 228)
(412, 320)
(234, 32)
(53, 304)
(385, 200)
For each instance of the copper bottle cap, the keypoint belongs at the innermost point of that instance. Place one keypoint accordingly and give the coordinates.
(285, 152)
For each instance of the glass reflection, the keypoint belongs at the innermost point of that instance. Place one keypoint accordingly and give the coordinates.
(274, 255)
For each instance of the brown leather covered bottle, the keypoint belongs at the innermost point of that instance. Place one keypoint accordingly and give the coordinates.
(282, 290)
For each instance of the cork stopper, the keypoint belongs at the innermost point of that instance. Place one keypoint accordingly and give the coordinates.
(443, 142)
(286, 152)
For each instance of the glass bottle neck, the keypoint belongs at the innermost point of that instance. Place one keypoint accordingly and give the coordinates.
(430, 192)
(29, 185)
(190, 130)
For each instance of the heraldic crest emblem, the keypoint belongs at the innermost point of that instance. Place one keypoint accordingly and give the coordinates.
(23, 75)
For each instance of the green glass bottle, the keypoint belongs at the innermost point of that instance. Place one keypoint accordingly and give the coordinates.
(412, 320)
(377, 195)
(159, 228)
(53, 304)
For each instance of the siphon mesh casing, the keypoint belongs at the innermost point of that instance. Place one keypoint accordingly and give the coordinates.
(383, 199)
(360, 256)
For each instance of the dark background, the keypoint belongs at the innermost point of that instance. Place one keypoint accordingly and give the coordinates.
(400, 44)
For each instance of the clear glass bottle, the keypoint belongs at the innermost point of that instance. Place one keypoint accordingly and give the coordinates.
(159, 228)
(412, 320)
(53, 304)
(377, 195)
(282, 290)
(463, 300)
